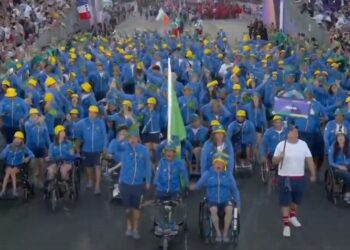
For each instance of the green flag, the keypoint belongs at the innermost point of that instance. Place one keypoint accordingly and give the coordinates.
(176, 125)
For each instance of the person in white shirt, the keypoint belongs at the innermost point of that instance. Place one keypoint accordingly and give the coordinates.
(291, 155)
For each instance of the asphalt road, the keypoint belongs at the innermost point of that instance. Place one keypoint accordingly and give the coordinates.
(93, 223)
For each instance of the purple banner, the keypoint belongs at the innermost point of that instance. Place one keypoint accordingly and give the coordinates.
(291, 107)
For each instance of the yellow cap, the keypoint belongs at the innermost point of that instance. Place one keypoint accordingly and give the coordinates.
(19, 135)
(52, 60)
(128, 57)
(11, 92)
(217, 159)
(214, 123)
(33, 111)
(86, 87)
(50, 81)
(127, 103)
(207, 51)
(246, 38)
(281, 62)
(205, 42)
(72, 50)
(236, 87)
(74, 112)
(48, 97)
(249, 82)
(264, 61)
(220, 56)
(101, 48)
(72, 74)
(179, 45)
(32, 82)
(109, 53)
(6, 82)
(275, 73)
(59, 129)
(152, 100)
(347, 100)
(276, 117)
(139, 65)
(74, 95)
(73, 56)
(236, 70)
(241, 113)
(189, 54)
(246, 48)
(155, 47)
(165, 46)
(19, 65)
(88, 56)
(317, 72)
(330, 60)
(62, 48)
(335, 65)
(212, 84)
(93, 108)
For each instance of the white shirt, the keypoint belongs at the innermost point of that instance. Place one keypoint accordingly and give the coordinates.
(294, 158)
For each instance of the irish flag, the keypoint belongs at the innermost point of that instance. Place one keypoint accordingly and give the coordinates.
(83, 9)
(162, 16)
(176, 125)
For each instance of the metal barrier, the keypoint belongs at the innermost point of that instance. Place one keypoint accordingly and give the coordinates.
(294, 22)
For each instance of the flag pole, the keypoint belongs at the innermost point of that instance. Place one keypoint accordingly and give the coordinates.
(169, 101)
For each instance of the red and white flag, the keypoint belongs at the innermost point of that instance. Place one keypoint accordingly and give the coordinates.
(83, 10)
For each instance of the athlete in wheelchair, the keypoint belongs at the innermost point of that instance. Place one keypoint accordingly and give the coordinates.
(63, 176)
(170, 174)
(337, 176)
(243, 136)
(218, 215)
(16, 156)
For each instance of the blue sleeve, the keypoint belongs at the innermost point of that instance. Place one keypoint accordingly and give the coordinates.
(156, 177)
(4, 152)
(47, 136)
(204, 158)
(184, 174)
(148, 167)
(331, 161)
(235, 191)
(104, 134)
(79, 129)
(264, 143)
(326, 135)
(202, 181)
(28, 153)
(231, 159)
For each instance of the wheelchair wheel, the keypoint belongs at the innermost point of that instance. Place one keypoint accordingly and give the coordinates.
(201, 220)
(264, 171)
(329, 184)
(74, 195)
(25, 194)
(54, 199)
(235, 227)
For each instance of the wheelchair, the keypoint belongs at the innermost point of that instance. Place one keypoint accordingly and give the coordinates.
(334, 186)
(206, 227)
(241, 169)
(169, 222)
(58, 188)
(22, 182)
(111, 172)
(268, 173)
